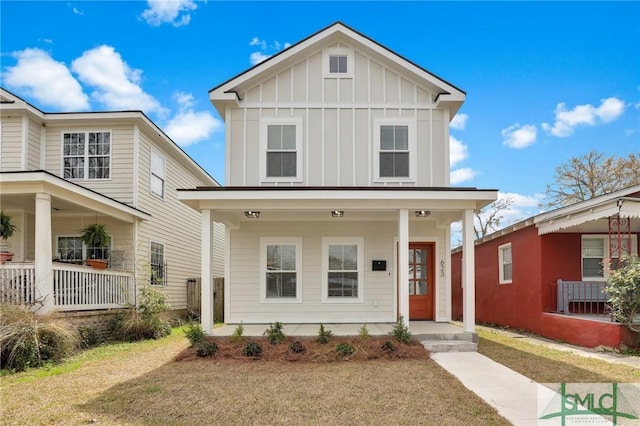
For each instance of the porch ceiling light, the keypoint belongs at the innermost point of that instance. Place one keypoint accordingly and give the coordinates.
(337, 213)
(423, 213)
(251, 214)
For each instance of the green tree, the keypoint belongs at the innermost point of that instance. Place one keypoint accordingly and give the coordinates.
(589, 175)
(623, 287)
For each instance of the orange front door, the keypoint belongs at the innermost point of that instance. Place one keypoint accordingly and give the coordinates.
(421, 279)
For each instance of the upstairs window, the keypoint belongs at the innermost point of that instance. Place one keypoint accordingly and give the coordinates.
(281, 149)
(338, 62)
(157, 180)
(505, 263)
(394, 151)
(86, 155)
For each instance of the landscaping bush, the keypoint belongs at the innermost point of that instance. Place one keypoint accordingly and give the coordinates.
(363, 332)
(623, 287)
(324, 335)
(344, 349)
(236, 337)
(29, 341)
(296, 347)
(401, 331)
(387, 347)
(143, 322)
(194, 333)
(206, 348)
(252, 349)
(274, 333)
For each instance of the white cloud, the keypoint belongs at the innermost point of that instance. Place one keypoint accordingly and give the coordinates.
(116, 84)
(184, 100)
(459, 122)
(257, 42)
(189, 127)
(287, 45)
(458, 151)
(461, 175)
(583, 115)
(257, 57)
(48, 81)
(266, 50)
(174, 12)
(77, 11)
(518, 137)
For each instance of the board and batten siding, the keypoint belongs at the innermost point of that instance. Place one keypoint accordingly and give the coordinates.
(34, 145)
(338, 122)
(379, 302)
(11, 144)
(173, 224)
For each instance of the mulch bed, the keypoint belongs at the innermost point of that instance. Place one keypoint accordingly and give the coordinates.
(370, 348)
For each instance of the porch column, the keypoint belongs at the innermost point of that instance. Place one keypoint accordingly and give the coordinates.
(468, 274)
(43, 261)
(403, 264)
(206, 276)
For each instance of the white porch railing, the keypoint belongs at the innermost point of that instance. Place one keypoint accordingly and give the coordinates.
(582, 297)
(75, 287)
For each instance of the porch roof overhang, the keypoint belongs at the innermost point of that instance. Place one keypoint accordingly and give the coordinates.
(19, 188)
(315, 203)
(578, 215)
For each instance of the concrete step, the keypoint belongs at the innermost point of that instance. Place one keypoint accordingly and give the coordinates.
(450, 345)
(467, 337)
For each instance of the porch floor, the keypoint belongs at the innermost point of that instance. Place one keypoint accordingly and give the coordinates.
(418, 329)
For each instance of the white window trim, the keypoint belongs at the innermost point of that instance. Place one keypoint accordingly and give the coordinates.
(291, 241)
(502, 280)
(413, 155)
(164, 261)
(151, 174)
(326, 242)
(264, 123)
(86, 155)
(335, 51)
(57, 252)
(606, 254)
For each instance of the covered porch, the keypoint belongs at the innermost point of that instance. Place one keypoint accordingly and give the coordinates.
(48, 274)
(385, 219)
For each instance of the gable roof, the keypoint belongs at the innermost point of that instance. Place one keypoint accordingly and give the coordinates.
(227, 91)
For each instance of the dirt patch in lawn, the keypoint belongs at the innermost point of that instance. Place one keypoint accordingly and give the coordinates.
(308, 350)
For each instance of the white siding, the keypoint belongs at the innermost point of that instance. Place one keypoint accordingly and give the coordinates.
(11, 144)
(378, 287)
(33, 146)
(338, 114)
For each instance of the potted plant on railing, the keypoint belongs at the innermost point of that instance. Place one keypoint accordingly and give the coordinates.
(7, 228)
(96, 238)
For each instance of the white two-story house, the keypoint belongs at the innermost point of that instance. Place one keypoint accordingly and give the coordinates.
(337, 206)
(60, 172)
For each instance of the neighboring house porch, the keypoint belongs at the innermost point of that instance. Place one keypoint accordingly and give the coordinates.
(47, 271)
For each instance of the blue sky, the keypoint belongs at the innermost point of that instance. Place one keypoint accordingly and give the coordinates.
(545, 81)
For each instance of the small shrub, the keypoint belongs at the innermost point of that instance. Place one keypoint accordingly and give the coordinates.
(401, 331)
(252, 349)
(296, 347)
(143, 322)
(88, 336)
(236, 337)
(387, 346)
(274, 333)
(324, 335)
(344, 349)
(206, 348)
(194, 333)
(29, 341)
(363, 332)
